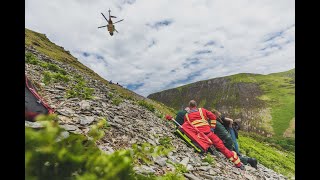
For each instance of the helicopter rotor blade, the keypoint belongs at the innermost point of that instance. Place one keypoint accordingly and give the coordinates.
(103, 26)
(118, 21)
(104, 17)
(113, 16)
(116, 30)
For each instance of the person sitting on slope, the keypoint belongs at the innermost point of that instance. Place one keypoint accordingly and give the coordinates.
(227, 130)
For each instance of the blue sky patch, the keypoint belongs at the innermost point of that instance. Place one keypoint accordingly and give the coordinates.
(152, 43)
(159, 24)
(210, 43)
(85, 54)
(134, 86)
(190, 61)
(99, 57)
(271, 46)
(187, 80)
(129, 1)
(272, 36)
(203, 52)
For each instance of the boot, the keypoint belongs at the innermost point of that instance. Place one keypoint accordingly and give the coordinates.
(242, 167)
(253, 162)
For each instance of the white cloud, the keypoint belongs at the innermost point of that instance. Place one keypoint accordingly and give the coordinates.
(241, 27)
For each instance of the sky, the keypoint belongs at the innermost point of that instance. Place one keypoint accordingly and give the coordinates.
(164, 44)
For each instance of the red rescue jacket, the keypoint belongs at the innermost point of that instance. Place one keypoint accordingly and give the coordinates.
(199, 118)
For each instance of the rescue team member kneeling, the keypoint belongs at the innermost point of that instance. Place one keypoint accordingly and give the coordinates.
(198, 118)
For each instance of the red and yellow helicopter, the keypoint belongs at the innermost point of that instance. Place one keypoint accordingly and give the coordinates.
(110, 24)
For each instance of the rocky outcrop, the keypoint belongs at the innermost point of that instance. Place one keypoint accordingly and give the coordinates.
(130, 123)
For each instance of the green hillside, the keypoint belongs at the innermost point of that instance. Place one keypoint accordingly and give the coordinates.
(264, 103)
(279, 94)
(271, 157)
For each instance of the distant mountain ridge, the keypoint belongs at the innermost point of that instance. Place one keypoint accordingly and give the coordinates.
(264, 103)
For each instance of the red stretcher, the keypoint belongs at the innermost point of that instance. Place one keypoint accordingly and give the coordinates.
(197, 137)
(34, 104)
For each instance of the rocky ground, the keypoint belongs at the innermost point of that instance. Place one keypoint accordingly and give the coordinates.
(131, 123)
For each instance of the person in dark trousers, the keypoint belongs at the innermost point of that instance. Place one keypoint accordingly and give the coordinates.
(227, 124)
(227, 130)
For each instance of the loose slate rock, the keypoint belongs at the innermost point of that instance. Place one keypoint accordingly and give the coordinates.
(86, 120)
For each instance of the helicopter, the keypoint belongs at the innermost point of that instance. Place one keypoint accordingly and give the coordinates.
(110, 24)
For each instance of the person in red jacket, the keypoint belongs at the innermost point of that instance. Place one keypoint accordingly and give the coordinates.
(198, 117)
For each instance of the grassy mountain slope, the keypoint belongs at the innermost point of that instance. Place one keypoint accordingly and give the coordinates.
(271, 157)
(278, 94)
(264, 103)
(43, 45)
